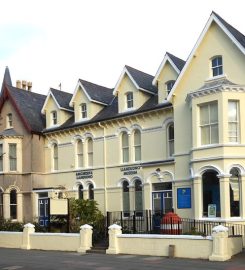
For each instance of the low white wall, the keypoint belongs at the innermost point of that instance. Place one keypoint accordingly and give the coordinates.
(55, 241)
(10, 239)
(158, 245)
(235, 245)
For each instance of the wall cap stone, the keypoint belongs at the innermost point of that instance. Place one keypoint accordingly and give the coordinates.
(29, 225)
(115, 227)
(220, 228)
(86, 227)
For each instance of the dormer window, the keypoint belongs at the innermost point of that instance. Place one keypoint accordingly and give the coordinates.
(9, 120)
(54, 118)
(217, 66)
(84, 110)
(169, 85)
(130, 100)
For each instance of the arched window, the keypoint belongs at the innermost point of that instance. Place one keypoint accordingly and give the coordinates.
(137, 145)
(13, 204)
(138, 197)
(1, 204)
(170, 136)
(55, 157)
(125, 147)
(90, 152)
(91, 191)
(79, 154)
(211, 194)
(234, 193)
(217, 66)
(126, 203)
(80, 192)
(130, 100)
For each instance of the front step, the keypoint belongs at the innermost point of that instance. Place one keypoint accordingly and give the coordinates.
(97, 249)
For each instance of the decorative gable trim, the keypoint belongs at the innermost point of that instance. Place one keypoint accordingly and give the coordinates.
(50, 94)
(79, 84)
(164, 61)
(212, 19)
(125, 71)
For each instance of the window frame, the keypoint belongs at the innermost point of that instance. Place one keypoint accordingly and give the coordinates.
(1, 203)
(54, 118)
(137, 147)
(130, 100)
(217, 67)
(13, 205)
(80, 153)
(125, 148)
(12, 157)
(84, 111)
(169, 85)
(210, 125)
(90, 152)
(55, 157)
(170, 141)
(9, 120)
(232, 122)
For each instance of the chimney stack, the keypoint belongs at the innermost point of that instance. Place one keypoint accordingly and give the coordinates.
(18, 84)
(29, 86)
(24, 85)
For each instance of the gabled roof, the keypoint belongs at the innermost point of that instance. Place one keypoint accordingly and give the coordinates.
(94, 92)
(60, 98)
(236, 37)
(174, 61)
(28, 105)
(140, 79)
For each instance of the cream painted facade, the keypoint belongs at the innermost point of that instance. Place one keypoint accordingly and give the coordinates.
(161, 149)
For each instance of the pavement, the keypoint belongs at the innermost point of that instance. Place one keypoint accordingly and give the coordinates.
(11, 259)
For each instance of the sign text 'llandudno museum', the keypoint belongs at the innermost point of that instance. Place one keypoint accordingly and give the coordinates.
(173, 141)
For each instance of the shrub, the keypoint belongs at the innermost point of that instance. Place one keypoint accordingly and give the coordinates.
(13, 226)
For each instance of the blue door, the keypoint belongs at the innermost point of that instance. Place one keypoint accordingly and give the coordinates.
(43, 207)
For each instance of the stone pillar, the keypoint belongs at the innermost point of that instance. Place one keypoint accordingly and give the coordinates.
(6, 205)
(85, 238)
(224, 184)
(114, 231)
(197, 186)
(20, 207)
(34, 199)
(220, 244)
(28, 229)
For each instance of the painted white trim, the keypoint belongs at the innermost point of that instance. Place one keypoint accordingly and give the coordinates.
(165, 59)
(79, 84)
(164, 236)
(211, 19)
(56, 103)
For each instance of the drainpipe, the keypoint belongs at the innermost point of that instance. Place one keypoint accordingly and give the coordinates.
(105, 172)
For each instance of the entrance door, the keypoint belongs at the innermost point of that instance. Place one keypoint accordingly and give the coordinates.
(43, 208)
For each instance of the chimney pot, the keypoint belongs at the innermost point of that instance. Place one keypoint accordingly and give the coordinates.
(29, 86)
(18, 84)
(24, 85)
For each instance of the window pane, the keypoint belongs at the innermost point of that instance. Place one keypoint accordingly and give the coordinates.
(204, 115)
(1, 157)
(91, 192)
(213, 113)
(171, 132)
(137, 150)
(125, 154)
(80, 192)
(90, 152)
(125, 139)
(12, 157)
(137, 139)
(214, 134)
(205, 135)
(232, 111)
(234, 193)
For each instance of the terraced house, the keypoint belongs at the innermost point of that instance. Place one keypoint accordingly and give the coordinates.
(175, 140)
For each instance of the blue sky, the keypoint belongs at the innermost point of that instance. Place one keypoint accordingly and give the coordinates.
(50, 42)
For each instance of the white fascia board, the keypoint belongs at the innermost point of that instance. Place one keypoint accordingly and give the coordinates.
(165, 59)
(125, 71)
(46, 101)
(74, 94)
(212, 18)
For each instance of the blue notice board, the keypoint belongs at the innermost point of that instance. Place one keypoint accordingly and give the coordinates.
(183, 198)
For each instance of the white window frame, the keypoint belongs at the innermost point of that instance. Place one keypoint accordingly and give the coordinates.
(169, 85)
(217, 67)
(80, 153)
(90, 153)
(210, 125)
(83, 111)
(137, 147)
(129, 100)
(13, 157)
(54, 118)
(125, 148)
(9, 120)
(236, 123)
(170, 140)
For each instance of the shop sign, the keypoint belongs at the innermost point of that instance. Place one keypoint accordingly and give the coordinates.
(84, 174)
(184, 198)
(130, 170)
(212, 210)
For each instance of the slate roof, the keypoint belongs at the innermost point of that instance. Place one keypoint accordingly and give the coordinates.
(179, 63)
(142, 79)
(63, 98)
(29, 105)
(236, 34)
(97, 92)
